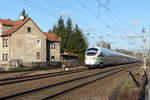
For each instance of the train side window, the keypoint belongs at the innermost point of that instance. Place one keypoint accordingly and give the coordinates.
(100, 55)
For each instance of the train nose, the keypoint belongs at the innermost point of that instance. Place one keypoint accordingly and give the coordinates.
(90, 61)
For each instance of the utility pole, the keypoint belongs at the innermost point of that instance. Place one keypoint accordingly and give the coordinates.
(144, 45)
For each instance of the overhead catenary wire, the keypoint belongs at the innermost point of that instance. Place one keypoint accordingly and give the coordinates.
(35, 6)
(101, 21)
(87, 9)
(122, 17)
(104, 5)
(111, 14)
(43, 10)
(8, 9)
(51, 2)
(90, 11)
(52, 13)
(67, 4)
(118, 18)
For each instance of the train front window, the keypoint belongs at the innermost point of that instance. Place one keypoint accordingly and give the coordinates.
(92, 49)
(91, 53)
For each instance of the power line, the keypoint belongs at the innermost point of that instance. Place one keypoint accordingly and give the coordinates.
(30, 4)
(7, 8)
(54, 4)
(124, 19)
(40, 6)
(86, 8)
(90, 11)
(95, 14)
(66, 3)
(116, 16)
(44, 10)
(104, 5)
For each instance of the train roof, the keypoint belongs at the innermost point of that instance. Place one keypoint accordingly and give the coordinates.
(107, 52)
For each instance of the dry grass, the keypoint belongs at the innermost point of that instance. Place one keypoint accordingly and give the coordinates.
(130, 91)
(129, 94)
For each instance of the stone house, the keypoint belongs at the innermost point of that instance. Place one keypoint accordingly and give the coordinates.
(22, 41)
(53, 47)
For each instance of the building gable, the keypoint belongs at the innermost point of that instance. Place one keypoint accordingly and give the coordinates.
(29, 41)
(16, 25)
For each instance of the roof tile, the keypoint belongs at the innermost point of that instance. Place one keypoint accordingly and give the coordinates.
(7, 22)
(15, 25)
(51, 36)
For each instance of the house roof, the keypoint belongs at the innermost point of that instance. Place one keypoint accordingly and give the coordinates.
(69, 53)
(51, 36)
(7, 22)
(15, 25)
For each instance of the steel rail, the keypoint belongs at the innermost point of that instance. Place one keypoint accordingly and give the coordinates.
(83, 80)
(38, 76)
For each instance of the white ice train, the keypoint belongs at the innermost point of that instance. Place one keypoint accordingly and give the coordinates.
(96, 56)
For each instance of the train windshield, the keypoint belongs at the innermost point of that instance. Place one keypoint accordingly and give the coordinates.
(91, 51)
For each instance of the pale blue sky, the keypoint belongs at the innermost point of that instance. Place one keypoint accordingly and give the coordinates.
(112, 19)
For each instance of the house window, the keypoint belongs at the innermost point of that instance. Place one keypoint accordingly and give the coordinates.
(53, 45)
(38, 55)
(5, 42)
(5, 57)
(38, 41)
(38, 44)
(52, 58)
(28, 29)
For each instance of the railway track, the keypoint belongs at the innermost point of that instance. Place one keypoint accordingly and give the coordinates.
(17, 71)
(53, 90)
(8, 81)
